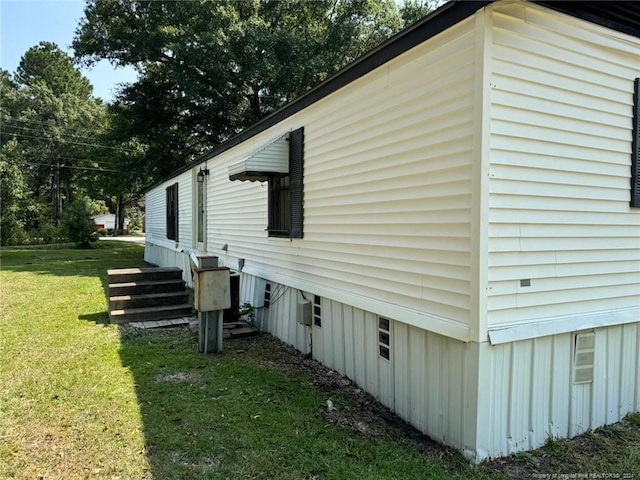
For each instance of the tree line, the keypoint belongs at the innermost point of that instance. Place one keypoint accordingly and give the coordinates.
(206, 70)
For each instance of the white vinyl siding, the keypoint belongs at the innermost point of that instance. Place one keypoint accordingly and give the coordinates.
(559, 173)
(155, 214)
(158, 249)
(185, 209)
(387, 192)
(456, 198)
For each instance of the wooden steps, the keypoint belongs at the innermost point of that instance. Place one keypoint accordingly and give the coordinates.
(147, 294)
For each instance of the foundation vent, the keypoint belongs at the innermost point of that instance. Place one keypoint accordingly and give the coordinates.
(583, 357)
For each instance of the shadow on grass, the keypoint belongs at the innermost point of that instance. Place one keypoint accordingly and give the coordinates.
(101, 318)
(66, 262)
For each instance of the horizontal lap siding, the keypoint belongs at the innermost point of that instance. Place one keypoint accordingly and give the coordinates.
(559, 173)
(155, 214)
(388, 181)
(158, 249)
(185, 209)
(387, 188)
(156, 210)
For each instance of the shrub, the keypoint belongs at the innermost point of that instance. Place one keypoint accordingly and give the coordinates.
(13, 234)
(103, 232)
(77, 221)
(51, 234)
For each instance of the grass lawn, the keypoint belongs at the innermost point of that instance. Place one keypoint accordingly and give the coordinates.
(81, 398)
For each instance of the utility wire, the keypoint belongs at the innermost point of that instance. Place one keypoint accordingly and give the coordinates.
(27, 129)
(40, 131)
(72, 166)
(47, 124)
(75, 143)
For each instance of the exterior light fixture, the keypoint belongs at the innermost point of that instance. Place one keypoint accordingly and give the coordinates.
(201, 174)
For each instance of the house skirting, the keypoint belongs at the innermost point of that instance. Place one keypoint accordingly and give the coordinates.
(484, 400)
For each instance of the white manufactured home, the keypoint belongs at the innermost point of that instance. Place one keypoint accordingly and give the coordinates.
(452, 221)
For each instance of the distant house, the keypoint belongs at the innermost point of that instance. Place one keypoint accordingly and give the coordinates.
(108, 221)
(452, 221)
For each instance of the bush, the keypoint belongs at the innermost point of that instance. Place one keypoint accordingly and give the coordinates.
(13, 234)
(103, 232)
(77, 221)
(52, 234)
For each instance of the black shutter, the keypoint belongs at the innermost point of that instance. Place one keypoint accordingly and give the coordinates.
(296, 174)
(169, 206)
(175, 215)
(635, 147)
(172, 212)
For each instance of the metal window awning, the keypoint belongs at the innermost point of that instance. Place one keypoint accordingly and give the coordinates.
(270, 159)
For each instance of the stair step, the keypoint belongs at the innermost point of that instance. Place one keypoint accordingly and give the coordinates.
(150, 313)
(125, 275)
(143, 287)
(123, 302)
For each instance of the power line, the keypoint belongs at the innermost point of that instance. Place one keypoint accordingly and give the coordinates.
(49, 124)
(38, 130)
(72, 166)
(74, 143)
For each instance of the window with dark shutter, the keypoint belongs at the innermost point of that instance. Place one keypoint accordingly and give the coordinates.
(286, 210)
(296, 172)
(172, 212)
(635, 147)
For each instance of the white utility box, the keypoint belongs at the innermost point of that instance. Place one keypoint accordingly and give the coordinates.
(212, 288)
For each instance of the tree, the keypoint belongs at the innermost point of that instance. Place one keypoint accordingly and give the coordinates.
(76, 219)
(13, 195)
(48, 64)
(208, 69)
(49, 123)
(123, 186)
(413, 10)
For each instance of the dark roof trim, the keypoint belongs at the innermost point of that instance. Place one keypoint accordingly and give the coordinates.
(623, 16)
(437, 21)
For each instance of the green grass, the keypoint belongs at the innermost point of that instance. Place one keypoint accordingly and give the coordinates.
(85, 399)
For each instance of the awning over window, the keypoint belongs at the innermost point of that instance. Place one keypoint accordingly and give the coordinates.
(270, 159)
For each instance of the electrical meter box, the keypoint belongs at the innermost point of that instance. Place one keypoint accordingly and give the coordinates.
(212, 288)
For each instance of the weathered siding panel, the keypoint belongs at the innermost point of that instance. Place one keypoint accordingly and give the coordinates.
(559, 172)
(531, 395)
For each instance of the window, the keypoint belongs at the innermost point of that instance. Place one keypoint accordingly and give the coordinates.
(279, 206)
(286, 193)
(317, 311)
(635, 147)
(384, 338)
(267, 295)
(172, 212)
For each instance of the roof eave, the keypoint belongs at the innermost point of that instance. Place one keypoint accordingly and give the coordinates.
(432, 24)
